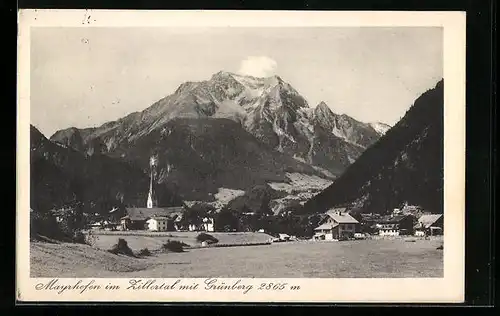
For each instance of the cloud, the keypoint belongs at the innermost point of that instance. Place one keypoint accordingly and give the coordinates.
(258, 66)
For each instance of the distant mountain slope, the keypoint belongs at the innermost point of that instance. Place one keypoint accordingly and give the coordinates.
(196, 157)
(61, 175)
(405, 165)
(268, 108)
(256, 199)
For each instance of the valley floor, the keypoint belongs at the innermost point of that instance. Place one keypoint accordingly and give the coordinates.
(348, 259)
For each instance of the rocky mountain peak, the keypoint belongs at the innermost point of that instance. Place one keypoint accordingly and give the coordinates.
(323, 109)
(186, 86)
(322, 105)
(222, 75)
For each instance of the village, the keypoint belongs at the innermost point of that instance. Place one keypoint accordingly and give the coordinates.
(337, 224)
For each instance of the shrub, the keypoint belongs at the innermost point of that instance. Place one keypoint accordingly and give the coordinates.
(206, 237)
(174, 246)
(122, 248)
(79, 237)
(144, 252)
(90, 239)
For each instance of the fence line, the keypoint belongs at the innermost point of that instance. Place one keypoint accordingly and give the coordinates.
(230, 245)
(134, 233)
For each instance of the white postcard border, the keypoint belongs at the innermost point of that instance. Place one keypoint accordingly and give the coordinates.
(450, 288)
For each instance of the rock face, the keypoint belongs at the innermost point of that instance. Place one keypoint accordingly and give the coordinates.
(404, 166)
(268, 109)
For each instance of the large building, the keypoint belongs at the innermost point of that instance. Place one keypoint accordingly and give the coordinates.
(336, 225)
(154, 219)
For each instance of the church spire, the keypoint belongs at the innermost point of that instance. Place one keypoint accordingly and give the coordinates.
(151, 197)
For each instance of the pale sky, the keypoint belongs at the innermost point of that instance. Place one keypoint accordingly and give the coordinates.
(84, 77)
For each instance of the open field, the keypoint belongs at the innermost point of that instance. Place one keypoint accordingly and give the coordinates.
(153, 241)
(349, 259)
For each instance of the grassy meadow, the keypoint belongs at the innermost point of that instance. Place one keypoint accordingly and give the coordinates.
(154, 240)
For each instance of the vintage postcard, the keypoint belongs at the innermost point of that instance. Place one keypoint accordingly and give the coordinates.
(241, 156)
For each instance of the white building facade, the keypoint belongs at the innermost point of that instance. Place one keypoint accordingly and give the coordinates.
(392, 232)
(208, 224)
(336, 225)
(157, 224)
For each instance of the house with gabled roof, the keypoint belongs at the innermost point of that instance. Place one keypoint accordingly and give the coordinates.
(337, 224)
(429, 225)
(395, 225)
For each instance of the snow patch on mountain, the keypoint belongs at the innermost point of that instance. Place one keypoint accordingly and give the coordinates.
(339, 133)
(231, 110)
(249, 81)
(380, 128)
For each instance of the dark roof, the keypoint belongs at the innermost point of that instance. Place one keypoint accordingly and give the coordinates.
(393, 226)
(372, 217)
(160, 218)
(142, 213)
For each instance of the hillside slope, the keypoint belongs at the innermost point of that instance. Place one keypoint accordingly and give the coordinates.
(405, 165)
(60, 175)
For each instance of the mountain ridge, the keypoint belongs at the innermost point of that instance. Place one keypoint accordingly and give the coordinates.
(269, 108)
(404, 167)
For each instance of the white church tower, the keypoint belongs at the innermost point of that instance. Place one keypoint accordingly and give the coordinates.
(151, 196)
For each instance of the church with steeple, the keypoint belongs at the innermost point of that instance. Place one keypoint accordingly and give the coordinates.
(151, 217)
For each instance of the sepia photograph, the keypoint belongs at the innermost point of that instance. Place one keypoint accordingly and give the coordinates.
(236, 152)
